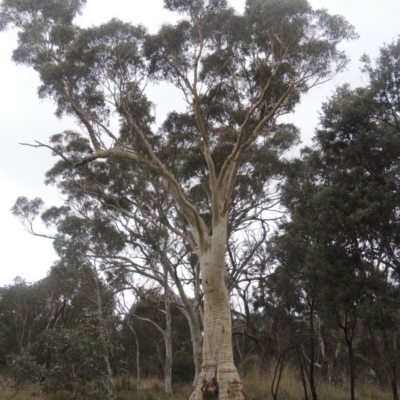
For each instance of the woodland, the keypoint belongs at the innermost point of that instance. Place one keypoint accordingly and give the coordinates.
(200, 251)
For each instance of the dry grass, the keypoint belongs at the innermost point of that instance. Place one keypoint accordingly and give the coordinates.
(30, 391)
(257, 387)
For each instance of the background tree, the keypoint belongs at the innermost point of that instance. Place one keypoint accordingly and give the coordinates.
(343, 231)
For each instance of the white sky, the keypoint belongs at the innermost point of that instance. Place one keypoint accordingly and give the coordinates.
(23, 118)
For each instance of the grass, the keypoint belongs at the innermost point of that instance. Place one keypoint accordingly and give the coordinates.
(257, 387)
(31, 391)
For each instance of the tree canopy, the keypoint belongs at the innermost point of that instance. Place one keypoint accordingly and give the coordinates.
(202, 175)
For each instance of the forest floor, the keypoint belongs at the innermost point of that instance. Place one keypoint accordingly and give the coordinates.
(256, 388)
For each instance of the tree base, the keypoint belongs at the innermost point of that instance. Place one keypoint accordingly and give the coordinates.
(222, 385)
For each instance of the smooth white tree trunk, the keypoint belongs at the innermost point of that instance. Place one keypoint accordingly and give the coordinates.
(196, 337)
(133, 331)
(219, 378)
(189, 310)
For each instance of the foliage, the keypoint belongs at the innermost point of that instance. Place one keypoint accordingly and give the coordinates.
(168, 201)
(79, 369)
(335, 261)
(24, 367)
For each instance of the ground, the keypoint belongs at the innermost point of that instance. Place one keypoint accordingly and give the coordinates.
(256, 387)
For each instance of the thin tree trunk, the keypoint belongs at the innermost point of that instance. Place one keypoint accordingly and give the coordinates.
(103, 339)
(168, 343)
(391, 363)
(312, 351)
(349, 335)
(188, 310)
(352, 371)
(303, 377)
(311, 372)
(137, 360)
(197, 339)
(377, 358)
(132, 329)
(166, 363)
(219, 378)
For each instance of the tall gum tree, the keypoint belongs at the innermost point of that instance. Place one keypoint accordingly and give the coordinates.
(237, 73)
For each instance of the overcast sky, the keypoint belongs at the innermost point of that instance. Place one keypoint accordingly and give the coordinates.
(23, 118)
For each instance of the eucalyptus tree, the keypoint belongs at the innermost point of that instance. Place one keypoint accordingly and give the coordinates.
(77, 347)
(152, 302)
(167, 297)
(146, 316)
(79, 243)
(44, 327)
(127, 252)
(238, 75)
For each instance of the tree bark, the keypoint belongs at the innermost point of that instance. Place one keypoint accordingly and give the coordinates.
(349, 337)
(103, 336)
(219, 378)
(196, 337)
(132, 329)
(390, 355)
(168, 343)
(312, 348)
